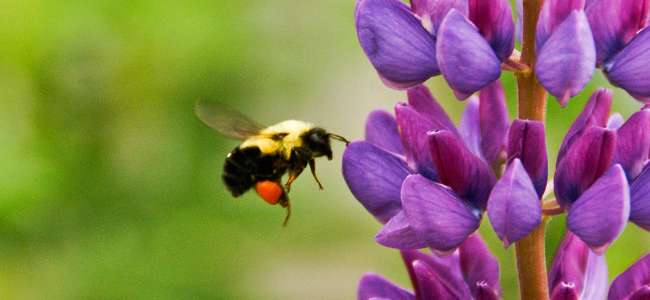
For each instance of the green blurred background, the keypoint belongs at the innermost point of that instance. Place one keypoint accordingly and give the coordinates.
(110, 187)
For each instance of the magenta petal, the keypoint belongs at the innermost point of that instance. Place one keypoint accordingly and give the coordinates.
(480, 268)
(514, 207)
(615, 121)
(633, 143)
(375, 178)
(526, 141)
(387, 29)
(420, 98)
(397, 233)
(634, 280)
(494, 21)
(567, 59)
(577, 271)
(467, 175)
(413, 131)
(446, 269)
(493, 119)
(628, 69)
(373, 286)
(599, 216)
(553, 13)
(640, 200)
(433, 11)
(381, 131)
(585, 160)
(436, 214)
(465, 58)
(595, 113)
(615, 23)
(470, 126)
(429, 284)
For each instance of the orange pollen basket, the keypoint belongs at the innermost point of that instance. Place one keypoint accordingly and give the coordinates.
(270, 191)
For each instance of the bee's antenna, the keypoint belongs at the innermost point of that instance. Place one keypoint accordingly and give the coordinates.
(339, 138)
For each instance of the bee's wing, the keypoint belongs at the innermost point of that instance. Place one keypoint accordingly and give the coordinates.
(226, 120)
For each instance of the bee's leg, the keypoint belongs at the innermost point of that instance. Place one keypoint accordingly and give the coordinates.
(287, 205)
(312, 166)
(293, 175)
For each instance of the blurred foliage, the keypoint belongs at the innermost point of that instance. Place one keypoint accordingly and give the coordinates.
(110, 187)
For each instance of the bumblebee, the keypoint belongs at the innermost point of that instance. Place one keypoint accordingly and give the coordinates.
(266, 154)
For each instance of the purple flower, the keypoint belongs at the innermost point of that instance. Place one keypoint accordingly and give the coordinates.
(622, 42)
(634, 283)
(566, 53)
(465, 40)
(470, 272)
(431, 194)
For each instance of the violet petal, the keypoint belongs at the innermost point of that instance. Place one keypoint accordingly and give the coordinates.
(514, 207)
(397, 233)
(413, 132)
(615, 121)
(420, 98)
(628, 68)
(480, 268)
(640, 200)
(553, 13)
(432, 12)
(375, 178)
(387, 29)
(633, 143)
(577, 271)
(381, 131)
(615, 23)
(465, 58)
(493, 121)
(526, 141)
(494, 21)
(599, 216)
(636, 277)
(436, 214)
(567, 59)
(373, 286)
(447, 270)
(467, 175)
(595, 113)
(429, 284)
(470, 126)
(585, 160)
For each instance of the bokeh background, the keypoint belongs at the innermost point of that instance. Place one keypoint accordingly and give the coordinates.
(110, 187)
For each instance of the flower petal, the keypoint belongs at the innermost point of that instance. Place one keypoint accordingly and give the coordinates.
(599, 216)
(526, 141)
(480, 268)
(577, 272)
(420, 98)
(514, 207)
(628, 69)
(413, 132)
(615, 23)
(386, 30)
(447, 270)
(381, 131)
(553, 13)
(635, 278)
(429, 283)
(467, 175)
(375, 178)
(585, 160)
(567, 59)
(433, 11)
(470, 126)
(436, 214)
(595, 113)
(373, 286)
(465, 58)
(633, 143)
(397, 233)
(615, 121)
(494, 21)
(493, 120)
(640, 200)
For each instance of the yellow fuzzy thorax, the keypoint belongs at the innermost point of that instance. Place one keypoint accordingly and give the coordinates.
(268, 145)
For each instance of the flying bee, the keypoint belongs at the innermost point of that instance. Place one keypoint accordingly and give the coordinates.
(266, 153)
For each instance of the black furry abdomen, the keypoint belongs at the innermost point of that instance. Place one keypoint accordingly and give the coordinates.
(244, 167)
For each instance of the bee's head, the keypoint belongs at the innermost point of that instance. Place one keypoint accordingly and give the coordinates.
(317, 140)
